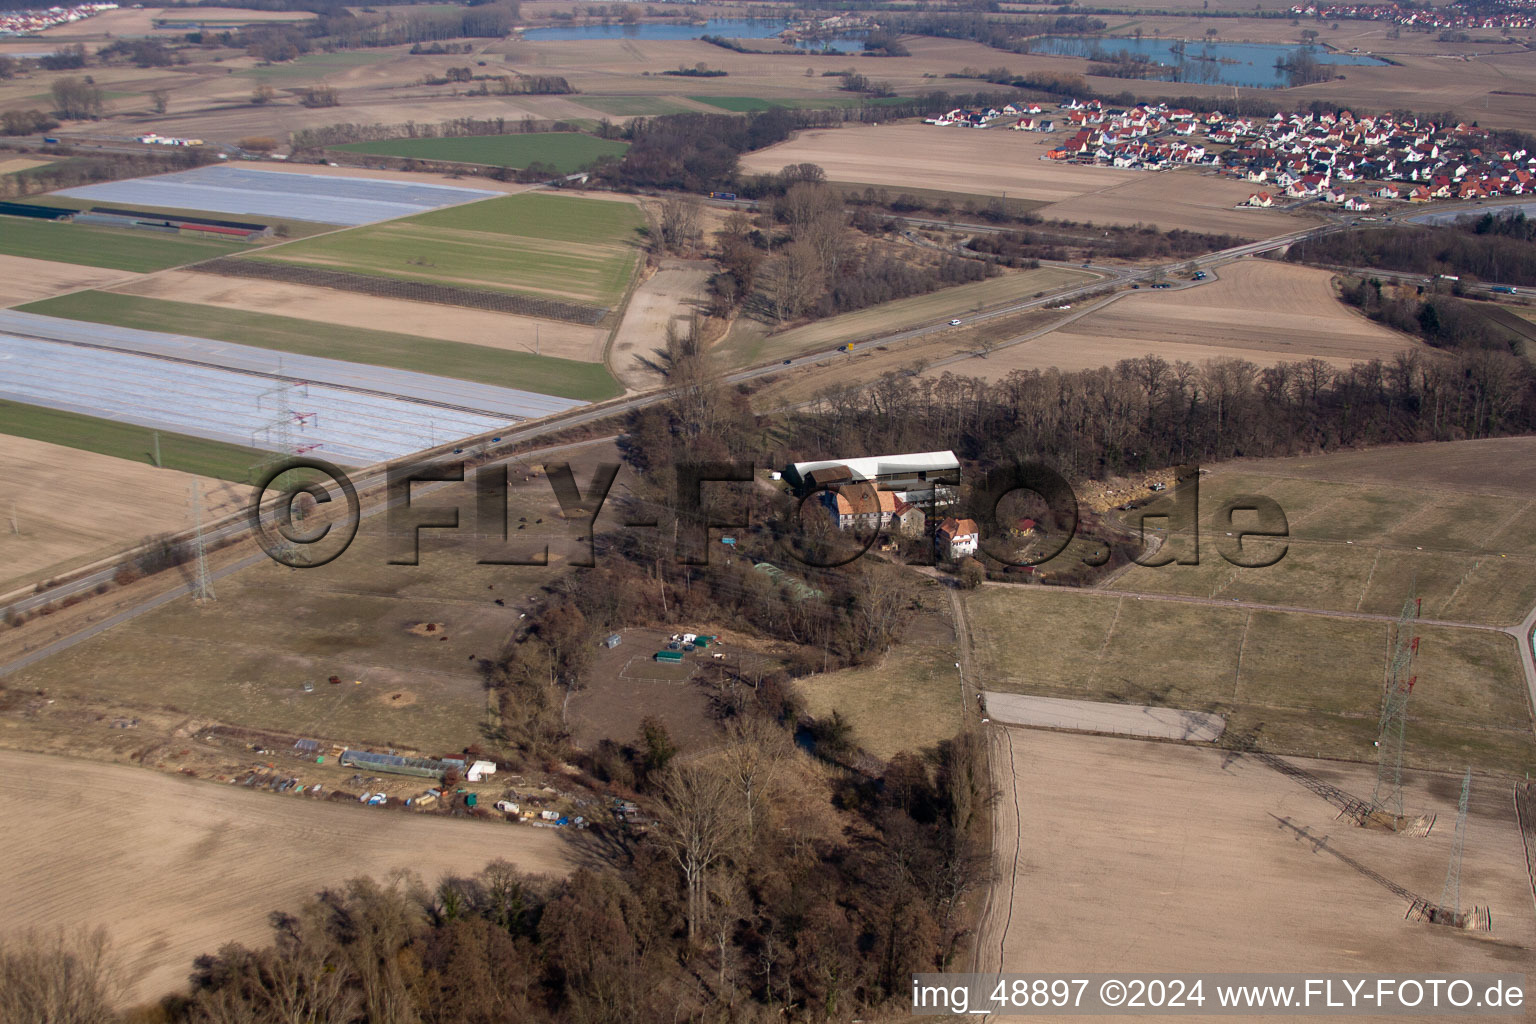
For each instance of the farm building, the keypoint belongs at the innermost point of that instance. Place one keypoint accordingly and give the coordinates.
(116, 218)
(423, 767)
(612, 640)
(37, 212)
(861, 506)
(888, 472)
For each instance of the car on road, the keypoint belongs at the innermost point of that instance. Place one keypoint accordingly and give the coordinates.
(954, 323)
(788, 361)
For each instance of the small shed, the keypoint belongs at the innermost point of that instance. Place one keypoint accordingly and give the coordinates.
(613, 640)
(668, 657)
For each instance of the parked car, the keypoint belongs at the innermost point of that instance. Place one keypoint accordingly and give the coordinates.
(954, 323)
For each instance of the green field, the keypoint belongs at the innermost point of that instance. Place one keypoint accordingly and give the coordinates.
(137, 251)
(1304, 684)
(127, 441)
(633, 106)
(547, 246)
(314, 65)
(566, 378)
(566, 152)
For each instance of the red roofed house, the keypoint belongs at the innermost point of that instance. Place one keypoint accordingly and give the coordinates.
(957, 538)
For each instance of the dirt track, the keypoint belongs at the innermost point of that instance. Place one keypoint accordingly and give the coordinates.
(175, 867)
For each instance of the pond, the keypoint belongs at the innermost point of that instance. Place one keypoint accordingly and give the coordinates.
(1173, 60)
(729, 28)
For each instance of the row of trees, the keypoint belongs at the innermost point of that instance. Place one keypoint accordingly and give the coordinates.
(1493, 247)
(1149, 412)
(1441, 320)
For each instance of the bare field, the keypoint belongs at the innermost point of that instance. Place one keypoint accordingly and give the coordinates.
(949, 159)
(1499, 466)
(327, 305)
(26, 280)
(72, 506)
(1258, 310)
(1363, 546)
(175, 867)
(1298, 683)
(1147, 857)
(639, 343)
(996, 161)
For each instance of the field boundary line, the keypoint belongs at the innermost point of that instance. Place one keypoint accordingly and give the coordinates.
(1366, 588)
(1242, 643)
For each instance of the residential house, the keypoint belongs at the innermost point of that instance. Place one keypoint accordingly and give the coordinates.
(957, 538)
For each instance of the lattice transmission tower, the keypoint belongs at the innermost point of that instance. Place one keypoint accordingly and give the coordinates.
(289, 418)
(1450, 896)
(1387, 799)
(202, 583)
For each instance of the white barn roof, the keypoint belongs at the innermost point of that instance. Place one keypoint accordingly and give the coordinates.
(873, 466)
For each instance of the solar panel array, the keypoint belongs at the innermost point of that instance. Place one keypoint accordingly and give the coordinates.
(291, 195)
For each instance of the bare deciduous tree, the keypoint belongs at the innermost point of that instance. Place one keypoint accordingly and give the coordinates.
(699, 822)
(679, 223)
(59, 977)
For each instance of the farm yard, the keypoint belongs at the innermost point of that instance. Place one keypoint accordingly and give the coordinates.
(565, 152)
(1128, 856)
(175, 868)
(1258, 310)
(578, 250)
(323, 199)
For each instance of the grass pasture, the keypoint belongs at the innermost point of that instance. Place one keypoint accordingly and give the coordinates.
(1302, 683)
(633, 106)
(127, 441)
(138, 251)
(909, 700)
(243, 660)
(566, 378)
(566, 152)
(1365, 547)
(560, 247)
